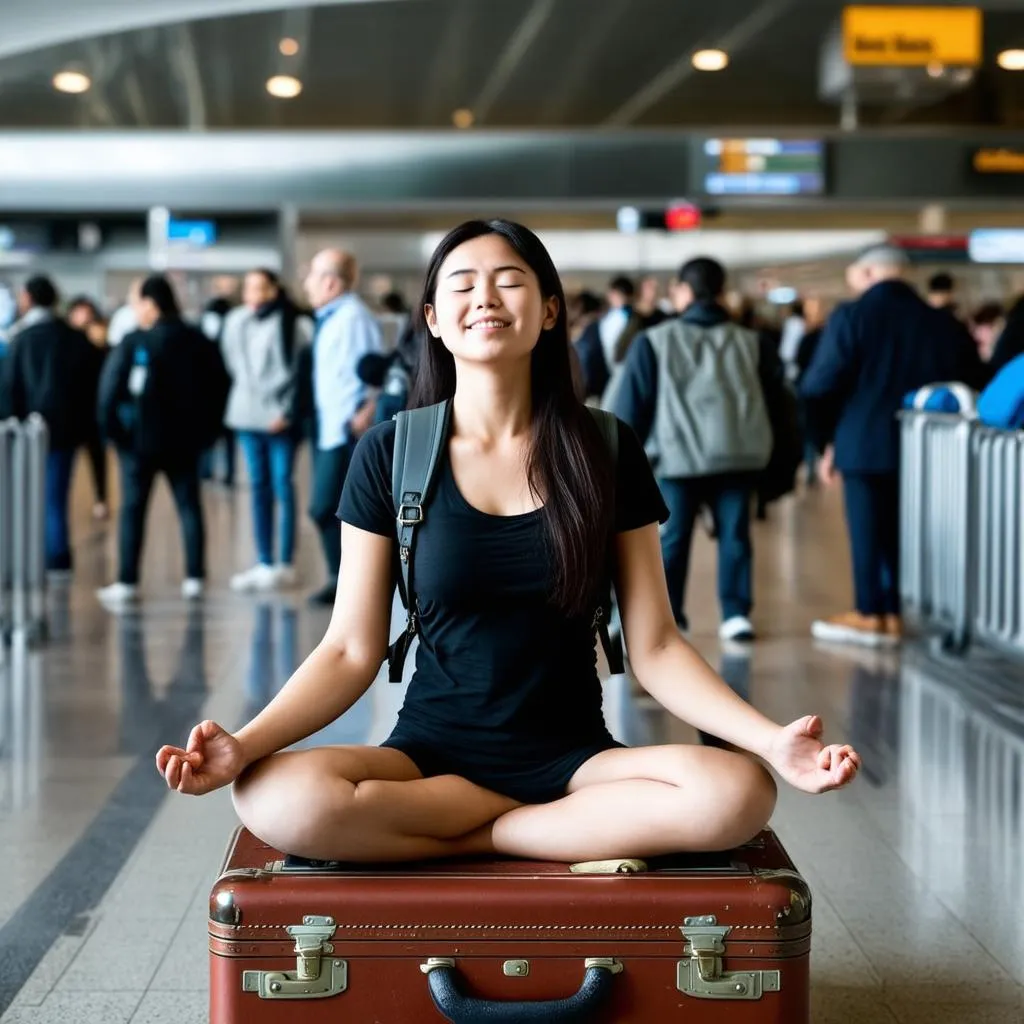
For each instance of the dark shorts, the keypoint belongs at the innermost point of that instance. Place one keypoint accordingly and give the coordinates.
(530, 780)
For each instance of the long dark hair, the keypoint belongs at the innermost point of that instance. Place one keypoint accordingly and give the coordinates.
(569, 465)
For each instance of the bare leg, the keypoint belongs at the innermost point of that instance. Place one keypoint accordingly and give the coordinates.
(643, 802)
(371, 804)
(364, 804)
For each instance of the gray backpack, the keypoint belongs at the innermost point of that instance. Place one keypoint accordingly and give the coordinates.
(420, 437)
(711, 416)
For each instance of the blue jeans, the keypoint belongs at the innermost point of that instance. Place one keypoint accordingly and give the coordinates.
(728, 497)
(873, 519)
(59, 465)
(271, 461)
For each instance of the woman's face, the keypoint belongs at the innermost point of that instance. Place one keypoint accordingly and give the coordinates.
(986, 336)
(80, 317)
(257, 290)
(488, 305)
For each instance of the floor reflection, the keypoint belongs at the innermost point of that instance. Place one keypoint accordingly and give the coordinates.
(21, 724)
(152, 714)
(961, 793)
(273, 657)
(873, 726)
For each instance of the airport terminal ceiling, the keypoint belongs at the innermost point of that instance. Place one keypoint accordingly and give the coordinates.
(405, 64)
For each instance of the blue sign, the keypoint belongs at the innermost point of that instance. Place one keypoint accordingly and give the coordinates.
(763, 167)
(199, 234)
(996, 245)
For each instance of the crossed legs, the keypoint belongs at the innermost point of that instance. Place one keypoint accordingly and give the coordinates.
(372, 804)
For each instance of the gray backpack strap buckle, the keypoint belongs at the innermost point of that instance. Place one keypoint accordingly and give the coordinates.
(420, 436)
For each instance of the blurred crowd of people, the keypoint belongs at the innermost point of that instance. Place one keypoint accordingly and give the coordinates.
(702, 372)
(257, 370)
(729, 395)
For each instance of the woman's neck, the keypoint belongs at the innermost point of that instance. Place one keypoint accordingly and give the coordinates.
(491, 405)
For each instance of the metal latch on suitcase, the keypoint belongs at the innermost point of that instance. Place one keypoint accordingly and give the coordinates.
(609, 867)
(702, 975)
(313, 978)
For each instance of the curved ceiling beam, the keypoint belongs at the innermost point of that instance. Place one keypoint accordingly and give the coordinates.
(25, 28)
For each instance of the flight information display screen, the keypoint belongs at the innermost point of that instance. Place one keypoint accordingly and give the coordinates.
(764, 167)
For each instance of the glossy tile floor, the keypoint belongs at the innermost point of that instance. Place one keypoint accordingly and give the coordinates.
(917, 870)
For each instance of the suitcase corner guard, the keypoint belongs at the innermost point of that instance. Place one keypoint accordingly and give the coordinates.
(313, 977)
(702, 976)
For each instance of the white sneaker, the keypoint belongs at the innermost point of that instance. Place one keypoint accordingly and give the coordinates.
(192, 589)
(259, 577)
(117, 595)
(285, 576)
(738, 629)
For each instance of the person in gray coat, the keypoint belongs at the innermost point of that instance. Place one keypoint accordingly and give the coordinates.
(698, 390)
(262, 342)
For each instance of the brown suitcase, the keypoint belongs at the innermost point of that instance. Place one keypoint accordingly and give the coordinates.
(722, 937)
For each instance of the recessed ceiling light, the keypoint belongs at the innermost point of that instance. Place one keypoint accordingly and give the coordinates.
(71, 81)
(710, 60)
(288, 46)
(284, 87)
(1011, 60)
(463, 118)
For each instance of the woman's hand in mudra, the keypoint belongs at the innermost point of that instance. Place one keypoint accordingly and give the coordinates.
(212, 758)
(799, 756)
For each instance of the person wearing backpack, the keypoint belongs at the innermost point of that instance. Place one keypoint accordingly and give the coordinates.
(501, 498)
(262, 342)
(53, 370)
(697, 389)
(161, 403)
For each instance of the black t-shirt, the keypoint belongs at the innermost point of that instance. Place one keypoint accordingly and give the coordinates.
(497, 661)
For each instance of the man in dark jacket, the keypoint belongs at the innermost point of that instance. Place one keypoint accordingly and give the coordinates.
(161, 402)
(873, 352)
(52, 370)
(698, 391)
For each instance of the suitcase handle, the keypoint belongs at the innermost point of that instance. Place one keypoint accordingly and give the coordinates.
(458, 1008)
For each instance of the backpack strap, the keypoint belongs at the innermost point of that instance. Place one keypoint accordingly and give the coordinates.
(420, 435)
(609, 427)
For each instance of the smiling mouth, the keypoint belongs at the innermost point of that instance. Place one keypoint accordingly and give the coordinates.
(489, 325)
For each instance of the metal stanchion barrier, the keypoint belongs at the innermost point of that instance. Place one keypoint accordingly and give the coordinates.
(23, 452)
(37, 446)
(936, 514)
(8, 436)
(998, 456)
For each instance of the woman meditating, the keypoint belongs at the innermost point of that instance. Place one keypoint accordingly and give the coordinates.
(501, 746)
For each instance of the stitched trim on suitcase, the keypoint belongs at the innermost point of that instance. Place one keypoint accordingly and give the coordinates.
(508, 927)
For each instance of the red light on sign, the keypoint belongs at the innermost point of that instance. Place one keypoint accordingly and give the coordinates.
(682, 218)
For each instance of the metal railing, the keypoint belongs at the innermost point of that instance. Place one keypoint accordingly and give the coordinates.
(23, 452)
(961, 531)
(997, 458)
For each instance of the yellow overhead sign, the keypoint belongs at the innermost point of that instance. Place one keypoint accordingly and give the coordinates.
(999, 161)
(909, 36)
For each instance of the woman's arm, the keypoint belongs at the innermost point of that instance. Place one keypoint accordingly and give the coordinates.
(344, 663)
(666, 666)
